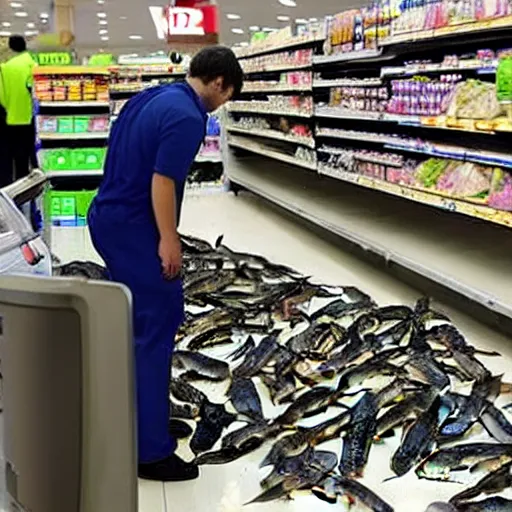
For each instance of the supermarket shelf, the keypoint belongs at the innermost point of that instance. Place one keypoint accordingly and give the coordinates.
(346, 82)
(274, 134)
(273, 69)
(255, 110)
(72, 174)
(438, 68)
(260, 49)
(340, 113)
(348, 56)
(214, 159)
(255, 148)
(457, 153)
(277, 88)
(362, 158)
(463, 255)
(352, 135)
(468, 28)
(420, 196)
(70, 70)
(73, 136)
(73, 104)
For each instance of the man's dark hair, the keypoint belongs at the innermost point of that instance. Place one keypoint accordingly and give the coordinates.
(17, 44)
(218, 61)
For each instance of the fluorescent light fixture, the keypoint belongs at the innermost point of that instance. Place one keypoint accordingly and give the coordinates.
(103, 32)
(301, 21)
(123, 18)
(4, 33)
(313, 20)
(254, 28)
(283, 18)
(29, 33)
(44, 15)
(31, 25)
(237, 31)
(288, 3)
(44, 21)
(268, 29)
(103, 22)
(16, 5)
(101, 14)
(6, 24)
(105, 38)
(21, 14)
(233, 16)
(101, 2)
(135, 37)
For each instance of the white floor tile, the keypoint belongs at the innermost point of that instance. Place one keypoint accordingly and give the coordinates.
(251, 225)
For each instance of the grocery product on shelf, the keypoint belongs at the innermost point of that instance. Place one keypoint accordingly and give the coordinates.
(294, 105)
(474, 99)
(371, 99)
(68, 208)
(55, 88)
(79, 159)
(500, 196)
(291, 80)
(278, 61)
(73, 124)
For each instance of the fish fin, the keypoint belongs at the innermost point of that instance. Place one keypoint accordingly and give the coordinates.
(218, 242)
(389, 478)
(274, 493)
(506, 388)
(490, 353)
(386, 435)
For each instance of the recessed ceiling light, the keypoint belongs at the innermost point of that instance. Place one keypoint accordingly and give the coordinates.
(313, 20)
(124, 18)
(29, 33)
(103, 32)
(105, 38)
(288, 3)
(44, 20)
(16, 5)
(237, 31)
(103, 22)
(31, 25)
(6, 24)
(301, 21)
(101, 2)
(135, 37)
(233, 16)
(283, 18)
(21, 14)
(4, 33)
(101, 14)
(44, 15)
(268, 29)
(254, 28)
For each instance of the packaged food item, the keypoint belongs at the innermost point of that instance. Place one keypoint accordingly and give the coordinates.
(500, 196)
(474, 99)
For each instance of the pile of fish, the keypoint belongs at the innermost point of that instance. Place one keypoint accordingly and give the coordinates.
(336, 366)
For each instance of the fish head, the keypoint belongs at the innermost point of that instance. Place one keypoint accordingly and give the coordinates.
(433, 471)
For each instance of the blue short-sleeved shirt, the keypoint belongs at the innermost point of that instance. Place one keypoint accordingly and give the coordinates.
(159, 130)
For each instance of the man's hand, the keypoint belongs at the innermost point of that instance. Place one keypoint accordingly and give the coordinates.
(169, 251)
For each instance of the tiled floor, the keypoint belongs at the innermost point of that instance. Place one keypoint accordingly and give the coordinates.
(251, 225)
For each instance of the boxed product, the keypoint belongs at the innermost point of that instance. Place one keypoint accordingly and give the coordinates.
(88, 159)
(500, 196)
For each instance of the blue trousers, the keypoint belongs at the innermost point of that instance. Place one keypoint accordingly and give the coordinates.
(130, 252)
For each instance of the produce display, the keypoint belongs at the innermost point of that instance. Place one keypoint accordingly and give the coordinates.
(71, 88)
(339, 374)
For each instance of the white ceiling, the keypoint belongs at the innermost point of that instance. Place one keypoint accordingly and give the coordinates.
(131, 17)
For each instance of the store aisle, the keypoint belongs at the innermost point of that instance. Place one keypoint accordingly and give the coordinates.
(251, 225)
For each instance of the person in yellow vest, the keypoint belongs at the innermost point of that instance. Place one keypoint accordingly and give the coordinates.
(16, 79)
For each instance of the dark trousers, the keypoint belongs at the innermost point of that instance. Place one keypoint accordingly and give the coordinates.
(21, 142)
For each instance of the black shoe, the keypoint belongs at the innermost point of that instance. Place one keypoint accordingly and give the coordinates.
(179, 429)
(172, 469)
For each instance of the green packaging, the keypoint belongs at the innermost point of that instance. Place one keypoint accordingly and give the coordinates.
(65, 125)
(81, 124)
(504, 80)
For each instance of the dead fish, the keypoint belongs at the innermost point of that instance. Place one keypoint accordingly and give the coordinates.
(307, 404)
(418, 441)
(396, 390)
(394, 334)
(441, 464)
(243, 350)
(199, 366)
(470, 366)
(184, 392)
(330, 429)
(281, 387)
(245, 398)
(288, 466)
(423, 368)
(254, 431)
(212, 284)
(340, 308)
(194, 245)
(356, 491)
(86, 269)
(289, 446)
(318, 337)
(391, 313)
(359, 435)
(423, 312)
(184, 411)
(211, 338)
(411, 406)
(257, 358)
(494, 504)
(481, 393)
(228, 454)
(439, 506)
(214, 419)
(495, 482)
(496, 424)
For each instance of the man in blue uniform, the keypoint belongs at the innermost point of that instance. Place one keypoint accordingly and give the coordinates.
(133, 224)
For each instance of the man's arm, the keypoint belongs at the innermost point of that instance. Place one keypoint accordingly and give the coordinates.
(163, 194)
